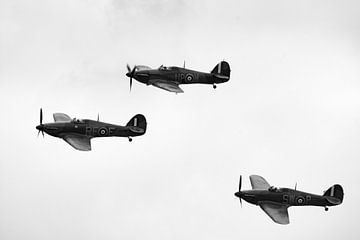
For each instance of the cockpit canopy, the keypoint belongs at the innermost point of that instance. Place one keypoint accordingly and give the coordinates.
(273, 189)
(75, 120)
(164, 68)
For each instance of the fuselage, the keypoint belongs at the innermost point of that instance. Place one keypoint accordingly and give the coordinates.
(90, 129)
(178, 75)
(284, 196)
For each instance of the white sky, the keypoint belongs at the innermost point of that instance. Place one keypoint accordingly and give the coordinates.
(290, 113)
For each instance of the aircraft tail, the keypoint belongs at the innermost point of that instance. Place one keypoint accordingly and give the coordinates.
(222, 70)
(137, 124)
(335, 194)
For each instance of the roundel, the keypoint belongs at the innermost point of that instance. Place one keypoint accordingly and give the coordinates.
(189, 77)
(300, 200)
(103, 131)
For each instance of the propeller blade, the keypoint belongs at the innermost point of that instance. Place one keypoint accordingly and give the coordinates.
(133, 70)
(240, 202)
(240, 180)
(38, 133)
(42, 132)
(130, 74)
(130, 82)
(41, 116)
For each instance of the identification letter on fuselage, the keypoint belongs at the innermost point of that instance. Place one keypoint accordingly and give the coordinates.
(99, 131)
(298, 200)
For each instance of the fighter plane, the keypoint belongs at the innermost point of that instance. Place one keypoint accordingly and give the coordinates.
(78, 132)
(169, 78)
(275, 201)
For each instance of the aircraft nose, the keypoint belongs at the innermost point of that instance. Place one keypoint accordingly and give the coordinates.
(237, 194)
(128, 74)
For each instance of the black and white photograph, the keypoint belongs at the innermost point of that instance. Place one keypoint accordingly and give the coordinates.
(179, 119)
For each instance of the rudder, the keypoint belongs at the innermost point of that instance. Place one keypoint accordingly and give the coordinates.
(222, 69)
(335, 191)
(138, 123)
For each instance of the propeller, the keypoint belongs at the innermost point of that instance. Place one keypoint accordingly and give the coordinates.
(41, 127)
(240, 181)
(41, 116)
(130, 74)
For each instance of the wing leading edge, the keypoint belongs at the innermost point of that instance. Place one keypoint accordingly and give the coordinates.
(61, 117)
(167, 85)
(78, 142)
(277, 212)
(259, 183)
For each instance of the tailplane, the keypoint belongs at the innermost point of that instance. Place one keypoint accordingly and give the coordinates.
(222, 70)
(335, 194)
(137, 124)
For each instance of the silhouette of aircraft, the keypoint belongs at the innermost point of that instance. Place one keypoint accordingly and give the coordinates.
(78, 132)
(276, 201)
(169, 78)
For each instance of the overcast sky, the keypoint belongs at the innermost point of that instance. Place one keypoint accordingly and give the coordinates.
(289, 113)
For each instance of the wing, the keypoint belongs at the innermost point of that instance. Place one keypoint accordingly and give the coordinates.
(61, 117)
(142, 67)
(167, 85)
(277, 212)
(259, 183)
(78, 142)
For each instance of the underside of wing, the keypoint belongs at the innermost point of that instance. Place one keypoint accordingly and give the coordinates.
(277, 212)
(167, 85)
(61, 117)
(142, 67)
(259, 183)
(78, 142)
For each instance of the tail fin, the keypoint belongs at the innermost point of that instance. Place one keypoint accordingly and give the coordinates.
(222, 69)
(137, 124)
(335, 191)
